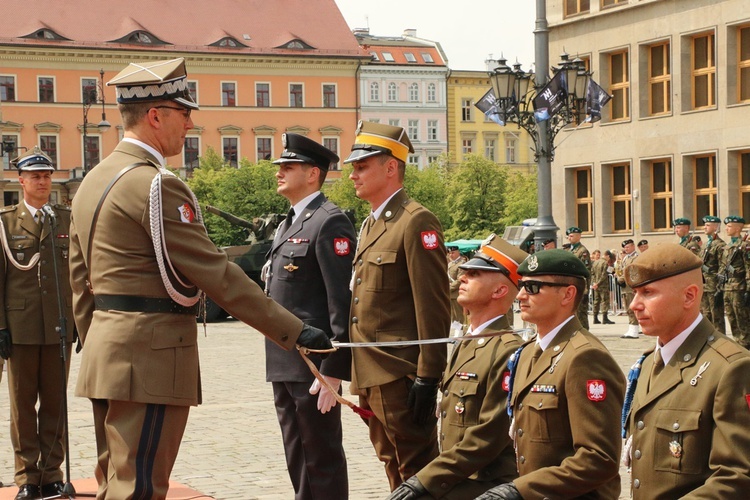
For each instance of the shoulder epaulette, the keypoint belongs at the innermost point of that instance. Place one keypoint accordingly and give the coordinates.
(9, 208)
(579, 340)
(58, 206)
(726, 348)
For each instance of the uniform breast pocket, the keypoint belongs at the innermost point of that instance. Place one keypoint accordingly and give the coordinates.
(382, 270)
(173, 362)
(542, 409)
(466, 404)
(292, 265)
(680, 444)
(62, 243)
(24, 250)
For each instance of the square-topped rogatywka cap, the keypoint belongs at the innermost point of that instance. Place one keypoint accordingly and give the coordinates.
(154, 81)
(377, 138)
(497, 255)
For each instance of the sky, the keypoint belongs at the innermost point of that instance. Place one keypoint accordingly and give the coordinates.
(460, 26)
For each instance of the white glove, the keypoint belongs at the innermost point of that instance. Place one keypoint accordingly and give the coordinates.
(326, 399)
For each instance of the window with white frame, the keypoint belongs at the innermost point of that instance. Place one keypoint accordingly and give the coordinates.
(295, 95)
(432, 130)
(374, 92)
(329, 95)
(414, 92)
(511, 147)
(48, 144)
(263, 148)
(467, 110)
(46, 88)
(191, 152)
(392, 92)
(413, 130)
(263, 95)
(228, 94)
(332, 143)
(431, 92)
(490, 148)
(230, 150)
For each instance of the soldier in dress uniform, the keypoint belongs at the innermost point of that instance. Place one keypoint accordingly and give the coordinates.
(712, 306)
(139, 258)
(455, 259)
(682, 229)
(628, 248)
(690, 411)
(310, 266)
(580, 251)
(600, 271)
(734, 275)
(29, 318)
(566, 392)
(399, 292)
(476, 450)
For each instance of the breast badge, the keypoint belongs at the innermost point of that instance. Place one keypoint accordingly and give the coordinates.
(291, 267)
(675, 449)
(460, 407)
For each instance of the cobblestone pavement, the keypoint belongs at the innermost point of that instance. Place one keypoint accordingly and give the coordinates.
(232, 446)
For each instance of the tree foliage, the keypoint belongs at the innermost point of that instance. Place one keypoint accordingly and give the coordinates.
(521, 199)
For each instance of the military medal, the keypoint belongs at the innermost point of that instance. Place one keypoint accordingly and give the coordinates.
(466, 375)
(460, 407)
(675, 449)
(549, 389)
(291, 267)
(694, 380)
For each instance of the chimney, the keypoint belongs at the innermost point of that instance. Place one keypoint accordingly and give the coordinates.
(361, 31)
(410, 32)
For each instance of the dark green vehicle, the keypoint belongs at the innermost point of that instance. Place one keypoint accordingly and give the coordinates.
(251, 256)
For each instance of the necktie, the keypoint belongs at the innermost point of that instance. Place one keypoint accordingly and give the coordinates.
(657, 368)
(535, 357)
(285, 225)
(39, 218)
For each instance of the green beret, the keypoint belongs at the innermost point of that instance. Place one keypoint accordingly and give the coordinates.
(733, 218)
(662, 260)
(682, 221)
(553, 262)
(711, 218)
(573, 229)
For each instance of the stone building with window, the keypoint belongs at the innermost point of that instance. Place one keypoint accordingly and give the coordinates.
(256, 73)
(674, 141)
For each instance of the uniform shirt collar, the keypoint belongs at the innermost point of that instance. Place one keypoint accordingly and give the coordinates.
(483, 326)
(547, 340)
(32, 210)
(668, 349)
(376, 213)
(155, 153)
(302, 204)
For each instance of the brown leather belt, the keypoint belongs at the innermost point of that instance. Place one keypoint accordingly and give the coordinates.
(133, 303)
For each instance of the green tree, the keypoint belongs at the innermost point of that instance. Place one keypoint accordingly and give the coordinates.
(341, 192)
(476, 197)
(521, 201)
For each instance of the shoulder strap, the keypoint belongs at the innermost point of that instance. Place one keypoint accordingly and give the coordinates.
(99, 208)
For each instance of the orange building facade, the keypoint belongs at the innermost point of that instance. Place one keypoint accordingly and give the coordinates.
(255, 74)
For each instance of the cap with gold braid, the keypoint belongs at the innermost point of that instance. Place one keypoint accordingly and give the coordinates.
(376, 138)
(154, 81)
(497, 255)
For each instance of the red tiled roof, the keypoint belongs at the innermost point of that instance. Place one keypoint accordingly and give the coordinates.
(399, 54)
(185, 25)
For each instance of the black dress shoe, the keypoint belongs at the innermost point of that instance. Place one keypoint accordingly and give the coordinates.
(53, 489)
(28, 492)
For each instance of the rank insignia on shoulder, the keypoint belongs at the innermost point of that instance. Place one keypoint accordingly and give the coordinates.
(550, 389)
(429, 240)
(341, 246)
(291, 267)
(596, 390)
(506, 380)
(466, 375)
(186, 213)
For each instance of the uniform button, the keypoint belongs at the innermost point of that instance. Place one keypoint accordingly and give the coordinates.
(355, 320)
(637, 454)
(356, 300)
(540, 404)
(291, 254)
(44, 262)
(444, 485)
(360, 262)
(520, 406)
(640, 425)
(442, 436)
(44, 292)
(444, 413)
(522, 459)
(675, 426)
(711, 338)
(687, 357)
(461, 392)
(445, 393)
(359, 281)
(637, 483)
(285, 338)
(520, 432)
(378, 260)
(42, 247)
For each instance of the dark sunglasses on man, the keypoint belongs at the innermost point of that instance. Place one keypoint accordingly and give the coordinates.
(533, 287)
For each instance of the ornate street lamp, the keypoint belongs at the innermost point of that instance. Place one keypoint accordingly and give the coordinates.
(515, 103)
(90, 98)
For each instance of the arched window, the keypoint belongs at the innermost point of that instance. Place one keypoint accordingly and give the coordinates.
(414, 92)
(392, 92)
(374, 92)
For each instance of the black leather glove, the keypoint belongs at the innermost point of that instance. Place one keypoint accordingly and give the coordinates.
(719, 298)
(411, 489)
(422, 399)
(505, 491)
(314, 338)
(6, 343)
(77, 340)
(746, 299)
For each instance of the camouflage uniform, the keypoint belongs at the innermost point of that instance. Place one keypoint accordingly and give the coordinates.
(693, 246)
(600, 277)
(711, 254)
(735, 265)
(583, 254)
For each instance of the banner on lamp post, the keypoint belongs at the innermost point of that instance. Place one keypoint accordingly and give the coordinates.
(488, 105)
(551, 98)
(596, 98)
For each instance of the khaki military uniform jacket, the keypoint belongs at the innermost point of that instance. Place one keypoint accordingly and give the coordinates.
(711, 254)
(151, 357)
(399, 292)
(453, 273)
(692, 440)
(474, 428)
(567, 412)
(30, 309)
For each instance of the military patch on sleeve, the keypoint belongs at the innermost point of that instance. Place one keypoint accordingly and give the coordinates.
(341, 246)
(430, 240)
(186, 213)
(747, 398)
(506, 380)
(596, 390)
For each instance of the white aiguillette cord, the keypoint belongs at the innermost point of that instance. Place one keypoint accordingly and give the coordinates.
(444, 340)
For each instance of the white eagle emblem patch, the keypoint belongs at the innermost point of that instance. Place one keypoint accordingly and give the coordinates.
(341, 246)
(596, 390)
(430, 240)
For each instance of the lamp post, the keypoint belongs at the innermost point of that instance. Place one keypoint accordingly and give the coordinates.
(514, 99)
(90, 98)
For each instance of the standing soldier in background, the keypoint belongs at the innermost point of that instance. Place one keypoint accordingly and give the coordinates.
(734, 274)
(455, 259)
(580, 251)
(628, 248)
(682, 229)
(712, 306)
(310, 266)
(29, 318)
(642, 246)
(600, 286)
(399, 292)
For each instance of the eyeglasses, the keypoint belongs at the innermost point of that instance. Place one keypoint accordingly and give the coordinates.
(184, 110)
(533, 287)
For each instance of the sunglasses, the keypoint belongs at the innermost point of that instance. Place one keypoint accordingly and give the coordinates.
(186, 112)
(533, 287)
